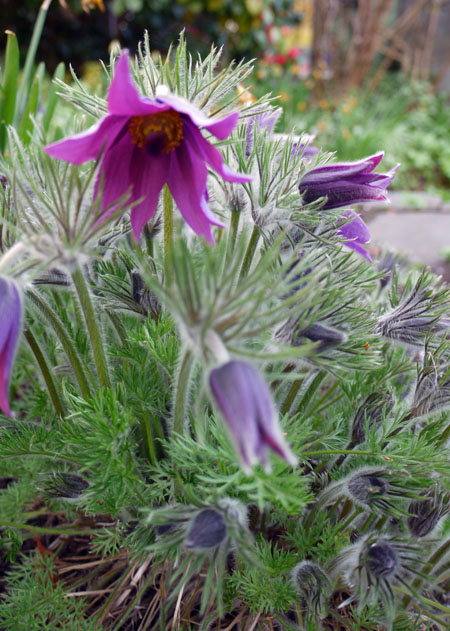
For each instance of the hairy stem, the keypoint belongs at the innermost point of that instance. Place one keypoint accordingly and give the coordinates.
(250, 252)
(66, 342)
(92, 326)
(45, 371)
(181, 391)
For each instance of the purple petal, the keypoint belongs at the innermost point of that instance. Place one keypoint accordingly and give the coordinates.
(342, 170)
(89, 144)
(11, 316)
(208, 153)
(149, 175)
(123, 98)
(354, 245)
(115, 170)
(221, 128)
(341, 193)
(355, 229)
(187, 183)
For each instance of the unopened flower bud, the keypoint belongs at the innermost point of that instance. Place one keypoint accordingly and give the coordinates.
(312, 584)
(11, 317)
(208, 529)
(3, 181)
(365, 487)
(424, 515)
(318, 332)
(369, 414)
(244, 401)
(381, 559)
(66, 486)
(142, 295)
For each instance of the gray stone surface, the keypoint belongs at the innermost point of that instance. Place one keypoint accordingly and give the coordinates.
(420, 235)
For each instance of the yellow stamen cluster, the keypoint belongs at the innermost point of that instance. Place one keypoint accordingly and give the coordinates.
(169, 124)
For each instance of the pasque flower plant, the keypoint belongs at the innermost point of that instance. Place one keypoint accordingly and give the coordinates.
(147, 143)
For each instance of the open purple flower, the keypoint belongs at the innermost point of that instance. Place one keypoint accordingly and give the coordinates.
(347, 183)
(147, 143)
(11, 313)
(244, 401)
(355, 233)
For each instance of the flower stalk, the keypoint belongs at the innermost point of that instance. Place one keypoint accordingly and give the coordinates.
(181, 391)
(93, 329)
(45, 371)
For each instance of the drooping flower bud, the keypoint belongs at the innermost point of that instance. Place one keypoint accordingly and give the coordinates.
(244, 401)
(143, 296)
(11, 317)
(208, 529)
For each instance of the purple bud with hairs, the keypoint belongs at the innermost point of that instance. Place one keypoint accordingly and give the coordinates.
(245, 403)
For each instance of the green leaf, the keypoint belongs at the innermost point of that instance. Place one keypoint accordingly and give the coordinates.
(9, 86)
(26, 124)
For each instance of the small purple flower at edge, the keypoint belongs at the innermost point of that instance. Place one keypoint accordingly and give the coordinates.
(244, 401)
(348, 183)
(148, 143)
(11, 316)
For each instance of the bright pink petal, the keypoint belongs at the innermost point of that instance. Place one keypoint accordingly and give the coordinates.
(123, 98)
(208, 153)
(149, 175)
(89, 144)
(355, 228)
(342, 170)
(187, 183)
(221, 128)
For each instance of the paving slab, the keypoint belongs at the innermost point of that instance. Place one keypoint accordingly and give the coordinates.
(420, 235)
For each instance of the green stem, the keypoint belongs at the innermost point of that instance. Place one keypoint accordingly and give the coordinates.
(234, 225)
(45, 371)
(149, 444)
(29, 61)
(250, 252)
(39, 529)
(290, 397)
(181, 392)
(65, 340)
(91, 320)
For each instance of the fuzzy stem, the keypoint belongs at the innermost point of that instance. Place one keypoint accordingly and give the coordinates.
(181, 392)
(45, 371)
(65, 340)
(90, 317)
(149, 445)
(290, 397)
(250, 252)
(234, 225)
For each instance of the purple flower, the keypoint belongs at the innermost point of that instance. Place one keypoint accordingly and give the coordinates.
(11, 313)
(148, 143)
(355, 233)
(347, 183)
(244, 400)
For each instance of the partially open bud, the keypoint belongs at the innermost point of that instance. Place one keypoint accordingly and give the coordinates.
(143, 296)
(208, 529)
(244, 401)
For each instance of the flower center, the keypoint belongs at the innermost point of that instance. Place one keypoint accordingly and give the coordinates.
(158, 132)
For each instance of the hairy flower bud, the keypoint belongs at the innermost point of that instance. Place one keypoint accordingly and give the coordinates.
(366, 488)
(312, 584)
(142, 295)
(381, 559)
(208, 529)
(244, 401)
(369, 414)
(66, 485)
(425, 514)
